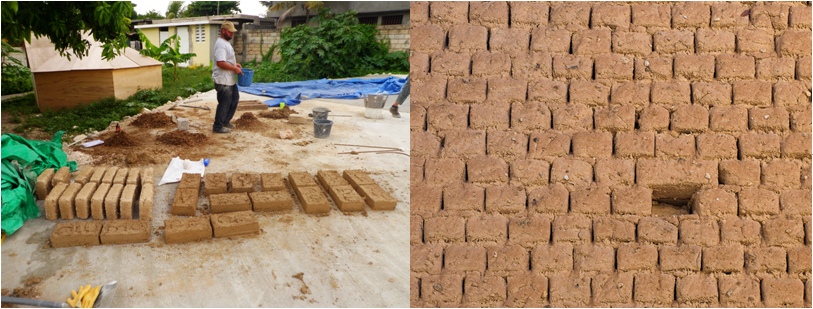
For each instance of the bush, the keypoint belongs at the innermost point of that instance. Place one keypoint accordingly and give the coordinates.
(16, 79)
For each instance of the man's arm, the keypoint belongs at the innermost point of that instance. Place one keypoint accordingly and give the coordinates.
(227, 66)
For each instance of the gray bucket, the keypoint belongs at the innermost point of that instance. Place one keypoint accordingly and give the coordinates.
(375, 100)
(320, 113)
(321, 127)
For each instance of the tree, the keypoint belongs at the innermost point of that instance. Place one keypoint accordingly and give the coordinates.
(174, 9)
(152, 14)
(210, 8)
(167, 52)
(64, 22)
(291, 6)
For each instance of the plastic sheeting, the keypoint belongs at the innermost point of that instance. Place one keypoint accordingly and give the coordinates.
(355, 88)
(23, 160)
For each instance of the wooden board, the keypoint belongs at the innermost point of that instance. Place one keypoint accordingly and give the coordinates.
(251, 105)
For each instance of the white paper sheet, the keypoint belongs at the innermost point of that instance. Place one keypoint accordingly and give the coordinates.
(176, 169)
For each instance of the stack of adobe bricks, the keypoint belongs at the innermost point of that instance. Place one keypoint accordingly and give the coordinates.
(610, 154)
(100, 193)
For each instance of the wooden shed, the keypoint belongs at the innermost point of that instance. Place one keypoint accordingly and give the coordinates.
(61, 83)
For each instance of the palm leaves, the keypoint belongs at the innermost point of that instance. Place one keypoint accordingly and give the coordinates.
(174, 9)
(168, 52)
(291, 6)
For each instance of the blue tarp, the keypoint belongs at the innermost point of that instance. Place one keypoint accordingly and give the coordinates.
(292, 92)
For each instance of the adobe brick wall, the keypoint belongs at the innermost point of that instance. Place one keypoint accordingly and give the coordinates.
(550, 140)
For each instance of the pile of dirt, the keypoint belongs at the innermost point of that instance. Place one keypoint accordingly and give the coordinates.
(30, 289)
(276, 113)
(182, 138)
(249, 122)
(153, 120)
(120, 139)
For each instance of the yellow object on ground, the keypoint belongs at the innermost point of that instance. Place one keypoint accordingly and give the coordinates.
(85, 297)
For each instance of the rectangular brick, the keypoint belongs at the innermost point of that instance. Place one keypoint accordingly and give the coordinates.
(483, 116)
(675, 178)
(673, 41)
(427, 259)
(450, 63)
(727, 15)
(272, 200)
(657, 231)
(783, 232)
(589, 93)
(781, 174)
(146, 199)
(776, 68)
(740, 172)
(129, 196)
(653, 67)
(799, 259)
(690, 118)
(443, 171)
(615, 118)
(533, 66)
(677, 146)
(787, 93)
(571, 172)
(636, 257)
(506, 144)
(690, 15)
(459, 144)
(634, 145)
(469, 90)
(111, 201)
(244, 182)
(82, 233)
(181, 230)
(612, 288)
(752, 92)
(711, 93)
(527, 290)
(125, 232)
(312, 199)
(428, 38)
(633, 43)
(457, 197)
(759, 145)
(607, 229)
(594, 200)
(550, 199)
(570, 291)
(133, 177)
(512, 41)
(445, 229)
(121, 176)
(654, 288)
(345, 197)
(740, 230)
(769, 119)
(615, 172)
(571, 16)
(529, 172)
(765, 259)
(794, 43)
(83, 175)
(556, 258)
(697, 288)
(610, 15)
(215, 183)
(98, 174)
(754, 201)
(592, 144)
(796, 145)
(484, 64)
(528, 231)
(467, 38)
(376, 197)
(680, 258)
(527, 15)
(728, 118)
(487, 228)
(592, 41)
(739, 291)
(507, 260)
(44, 183)
(795, 202)
(147, 176)
(730, 66)
(273, 182)
(726, 258)
(671, 94)
(714, 202)
(694, 67)
(572, 228)
(770, 16)
(442, 289)
(530, 116)
(504, 89)
(635, 200)
(109, 174)
(756, 42)
(505, 199)
(457, 258)
(97, 201)
(66, 206)
(548, 144)
(83, 199)
(235, 224)
(430, 90)
(572, 67)
(783, 292)
(62, 175)
(716, 146)
(651, 15)
(715, 41)
(573, 117)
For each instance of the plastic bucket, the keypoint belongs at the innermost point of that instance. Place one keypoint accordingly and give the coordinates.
(245, 79)
(321, 128)
(320, 113)
(375, 100)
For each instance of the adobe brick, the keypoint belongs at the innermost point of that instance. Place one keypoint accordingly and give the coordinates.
(633, 43)
(419, 12)
(794, 43)
(776, 68)
(635, 200)
(783, 232)
(680, 258)
(711, 93)
(756, 42)
(83, 175)
(592, 41)
(513, 41)
(572, 228)
(594, 144)
(607, 230)
(487, 228)
(738, 290)
(570, 16)
(791, 93)
(425, 200)
(716, 146)
(571, 172)
(651, 15)
(783, 292)
(770, 16)
(671, 94)
(806, 173)
(529, 15)
(705, 232)
(467, 90)
(795, 202)
(462, 197)
(796, 145)
(714, 41)
(527, 290)
(636, 257)
(446, 116)
(674, 146)
(697, 288)
(417, 122)
(765, 259)
(550, 40)
(552, 258)
(505, 199)
(657, 231)
(593, 258)
(759, 145)
(728, 118)
(634, 144)
(803, 67)
(529, 172)
(614, 66)
(732, 66)
(506, 144)
(484, 291)
(489, 14)
(530, 116)
(44, 185)
(426, 259)
(548, 144)
(740, 230)
(690, 118)
(450, 63)
(608, 15)
(416, 170)
(63, 175)
(612, 288)
(424, 144)
(528, 231)
(654, 288)
(415, 230)
(547, 92)
(675, 178)
(487, 169)
(594, 200)
(550, 199)
(714, 202)
(485, 63)
(673, 41)
(510, 90)
(67, 210)
(799, 260)
(429, 91)
(444, 171)
(694, 67)
(507, 259)
(458, 144)
(690, 15)
(570, 290)
(781, 174)
(573, 117)
(488, 116)
(756, 201)
(728, 15)
(572, 67)
(428, 38)
(418, 65)
(444, 229)
(653, 67)
(443, 289)
(448, 13)
(464, 257)
(533, 66)
(799, 17)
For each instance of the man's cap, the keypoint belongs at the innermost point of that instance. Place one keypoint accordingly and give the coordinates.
(228, 26)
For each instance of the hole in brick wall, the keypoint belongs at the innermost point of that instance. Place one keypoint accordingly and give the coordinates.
(672, 200)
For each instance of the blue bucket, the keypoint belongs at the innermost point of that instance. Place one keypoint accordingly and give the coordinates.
(245, 79)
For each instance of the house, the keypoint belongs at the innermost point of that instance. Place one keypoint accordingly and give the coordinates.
(382, 13)
(196, 34)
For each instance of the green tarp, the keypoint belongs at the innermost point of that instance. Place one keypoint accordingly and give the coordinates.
(23, 160)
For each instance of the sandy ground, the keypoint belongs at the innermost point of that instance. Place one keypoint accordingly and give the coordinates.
(348, 260)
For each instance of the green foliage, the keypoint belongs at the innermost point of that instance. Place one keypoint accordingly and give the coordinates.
(16, 77)
(175, 9)
(152, 14)
(210, 8)
(99, 114)
(168, 52)
(63, 22)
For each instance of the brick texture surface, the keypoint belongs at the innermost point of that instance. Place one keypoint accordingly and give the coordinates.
(611, 154)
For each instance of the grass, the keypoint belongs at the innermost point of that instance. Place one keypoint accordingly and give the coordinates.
(98, 115)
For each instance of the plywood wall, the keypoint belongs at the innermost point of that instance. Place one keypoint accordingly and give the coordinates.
(59, 90)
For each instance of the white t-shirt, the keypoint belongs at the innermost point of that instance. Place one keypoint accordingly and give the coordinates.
(223, 52)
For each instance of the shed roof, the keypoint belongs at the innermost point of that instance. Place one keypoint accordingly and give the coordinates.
(43, 57)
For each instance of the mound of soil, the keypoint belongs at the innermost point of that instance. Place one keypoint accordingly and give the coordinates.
(249, 122)
(182, 138)
(153, 120)
(120, 139)
(276, 113)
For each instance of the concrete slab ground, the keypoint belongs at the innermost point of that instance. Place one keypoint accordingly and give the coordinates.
(348, 260)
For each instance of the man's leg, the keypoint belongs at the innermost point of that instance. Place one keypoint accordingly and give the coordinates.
(223, 103)
(235, 97)
(400, 99)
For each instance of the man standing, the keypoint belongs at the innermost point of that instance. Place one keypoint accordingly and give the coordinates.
(224, 74)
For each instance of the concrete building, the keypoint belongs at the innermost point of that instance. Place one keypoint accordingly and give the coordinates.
(369, 12)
